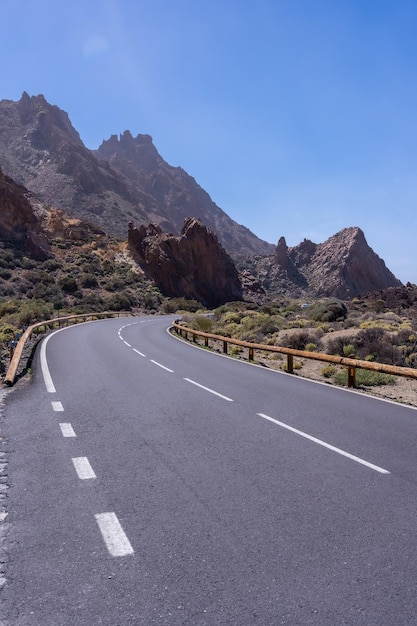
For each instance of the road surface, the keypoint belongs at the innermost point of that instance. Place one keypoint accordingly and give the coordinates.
(151, 482)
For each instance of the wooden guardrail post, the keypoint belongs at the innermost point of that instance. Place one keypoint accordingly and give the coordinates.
(290, 363)
(251, 353)
(351, 376)
(206, 341)
(224, 347)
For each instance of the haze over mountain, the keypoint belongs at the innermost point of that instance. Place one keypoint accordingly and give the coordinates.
(126, 179)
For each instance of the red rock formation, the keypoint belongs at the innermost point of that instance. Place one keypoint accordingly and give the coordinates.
(193, 265)
(18, 222)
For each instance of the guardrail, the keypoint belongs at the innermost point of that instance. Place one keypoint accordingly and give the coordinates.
(17, 351)
(351, 364)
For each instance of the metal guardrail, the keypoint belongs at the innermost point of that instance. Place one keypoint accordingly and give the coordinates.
(59, 322)
(351, 364)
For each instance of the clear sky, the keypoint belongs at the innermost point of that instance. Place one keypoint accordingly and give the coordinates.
(298, 117)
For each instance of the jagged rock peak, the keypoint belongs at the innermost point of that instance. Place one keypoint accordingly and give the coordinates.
(343, 266)
(193, 265)
(281, 253)
(43, 117)
(139, 149)
(346, 266)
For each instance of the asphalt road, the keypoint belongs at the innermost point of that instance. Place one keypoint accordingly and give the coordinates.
(155, 483)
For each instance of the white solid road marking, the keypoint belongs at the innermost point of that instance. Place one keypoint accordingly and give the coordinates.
(83, 468)
(57, 406)
(50, 388)
(67, 430)
(160, 365)
(326, 445)
(113, 534)
(216, 393)
(137, 352)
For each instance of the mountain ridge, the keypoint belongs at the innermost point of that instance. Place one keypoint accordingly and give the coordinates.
(127, 180)
(40, 149)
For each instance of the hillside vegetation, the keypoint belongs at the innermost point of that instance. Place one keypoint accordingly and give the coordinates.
(364, 328)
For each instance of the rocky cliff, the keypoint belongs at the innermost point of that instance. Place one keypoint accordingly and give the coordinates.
(19, 225)
(125, 179)
(193, 264)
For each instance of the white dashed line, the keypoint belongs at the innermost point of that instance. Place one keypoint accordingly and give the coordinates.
(57, 406)
(67, 430)
(83, 468)
(160, 365)
(216, 393)
(113, 534)
(137, 352)
(127, 344)
(326, 445)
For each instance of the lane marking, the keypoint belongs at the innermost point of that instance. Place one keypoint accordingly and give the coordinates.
(137, 352)
(128, 344)
(160, 365)
(67, 430)
(326, 445)
(83, 468)
(50, 387)
(216, 393)
(57, 406)
(113, 534)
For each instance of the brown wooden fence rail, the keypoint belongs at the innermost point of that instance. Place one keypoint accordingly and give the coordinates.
(351, 364)
(44, 326)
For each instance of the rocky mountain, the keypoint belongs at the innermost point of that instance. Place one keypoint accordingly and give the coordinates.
(126, 179)
(344, 266)
(193, 265)
(186, 249)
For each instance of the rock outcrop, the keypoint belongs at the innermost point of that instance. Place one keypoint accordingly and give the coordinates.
(344, 266)
(19, 225)
(124, 179)
(193, 265)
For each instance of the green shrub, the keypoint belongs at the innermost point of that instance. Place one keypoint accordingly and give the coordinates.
(68, 284)
(89, 281)
(329, 371)
(367, 378)
(330, 310)
(203, 323)
(349, 350)
(172, 305)
(8, 307)
(7, 332)
(299, 340)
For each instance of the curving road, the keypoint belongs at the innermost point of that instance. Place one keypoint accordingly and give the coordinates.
(155, 483)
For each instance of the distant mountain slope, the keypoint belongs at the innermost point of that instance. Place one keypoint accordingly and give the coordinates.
(124, 180)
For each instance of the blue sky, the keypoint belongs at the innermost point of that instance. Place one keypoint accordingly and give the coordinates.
(298, 117)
